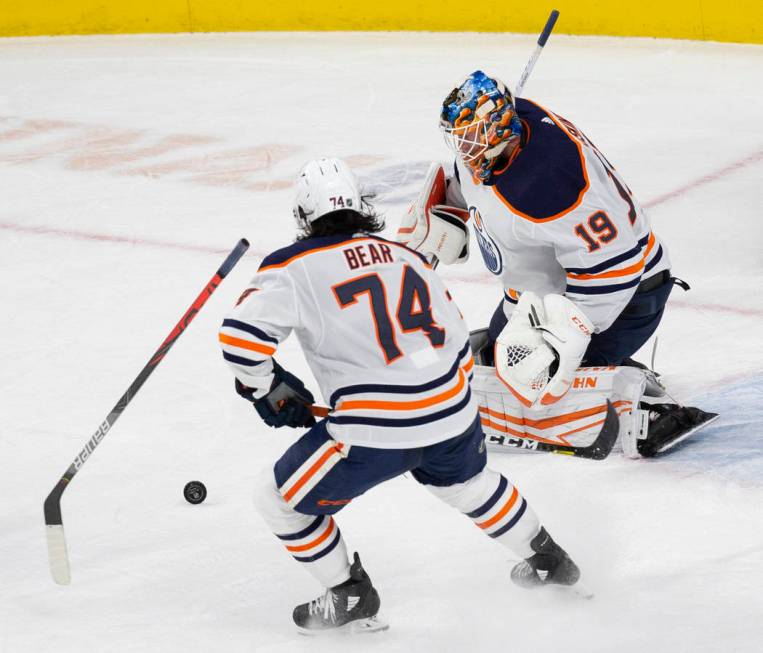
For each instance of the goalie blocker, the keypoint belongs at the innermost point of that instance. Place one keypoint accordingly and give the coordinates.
(576, 421)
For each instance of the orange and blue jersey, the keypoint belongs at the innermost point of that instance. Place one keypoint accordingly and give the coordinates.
(558, 218)
(383, 338)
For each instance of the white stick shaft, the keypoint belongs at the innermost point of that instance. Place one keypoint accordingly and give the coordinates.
(550, 22)
(526, 72)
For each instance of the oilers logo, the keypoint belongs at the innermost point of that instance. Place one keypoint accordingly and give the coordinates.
(490, 252)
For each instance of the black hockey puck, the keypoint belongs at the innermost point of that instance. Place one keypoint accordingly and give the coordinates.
(195, 492)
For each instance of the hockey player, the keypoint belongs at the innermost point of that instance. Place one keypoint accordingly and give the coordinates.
(557, 225)
(390, 351)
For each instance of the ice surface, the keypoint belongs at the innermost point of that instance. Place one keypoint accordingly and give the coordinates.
(129, 165)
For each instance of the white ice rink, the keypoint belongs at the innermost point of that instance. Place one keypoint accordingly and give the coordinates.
(130, 165)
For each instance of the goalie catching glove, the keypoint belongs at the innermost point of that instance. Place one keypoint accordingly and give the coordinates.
(433, 228)
(539, 350)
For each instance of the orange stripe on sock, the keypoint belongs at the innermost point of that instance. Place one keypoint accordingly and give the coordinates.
(502, 512)
(321, 538)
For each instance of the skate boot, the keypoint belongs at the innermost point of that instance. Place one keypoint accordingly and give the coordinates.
(351, 607)
(669, 424)
(549, 566)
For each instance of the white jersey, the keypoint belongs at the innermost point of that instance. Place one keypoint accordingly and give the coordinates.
(559, 219)
(386, 343)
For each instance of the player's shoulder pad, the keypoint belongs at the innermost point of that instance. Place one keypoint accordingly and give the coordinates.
(282, 257)
(548, 178)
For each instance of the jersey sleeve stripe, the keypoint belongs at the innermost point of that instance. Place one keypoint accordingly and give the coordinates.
(601, 290)
(615, 260)
(240, 360)
(251, 329)
(246, 344)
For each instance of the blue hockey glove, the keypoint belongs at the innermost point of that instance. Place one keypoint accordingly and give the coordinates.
(287, 403)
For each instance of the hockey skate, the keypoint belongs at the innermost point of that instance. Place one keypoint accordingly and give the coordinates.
(670, 424)
(549, 566)
(351, 607)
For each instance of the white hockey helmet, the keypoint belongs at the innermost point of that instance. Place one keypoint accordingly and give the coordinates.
(325, 186)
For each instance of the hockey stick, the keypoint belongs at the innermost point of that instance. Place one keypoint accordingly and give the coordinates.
(538, 49)
(599, 449)
(57, 555)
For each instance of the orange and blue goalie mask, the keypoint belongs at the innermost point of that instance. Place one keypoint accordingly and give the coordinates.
(478, 121)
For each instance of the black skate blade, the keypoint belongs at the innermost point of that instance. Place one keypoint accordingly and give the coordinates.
(357, 627)
(711, 417)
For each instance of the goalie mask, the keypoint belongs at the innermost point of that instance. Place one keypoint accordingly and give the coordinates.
(478, 120)
(325, 186)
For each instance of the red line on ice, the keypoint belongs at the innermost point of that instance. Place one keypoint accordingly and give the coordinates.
(706, 179)
(110, 238)
(718, 308)
(661, 199)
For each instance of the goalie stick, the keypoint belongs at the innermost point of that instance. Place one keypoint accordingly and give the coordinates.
(599, 449)
(57, 554)
(536, 53)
